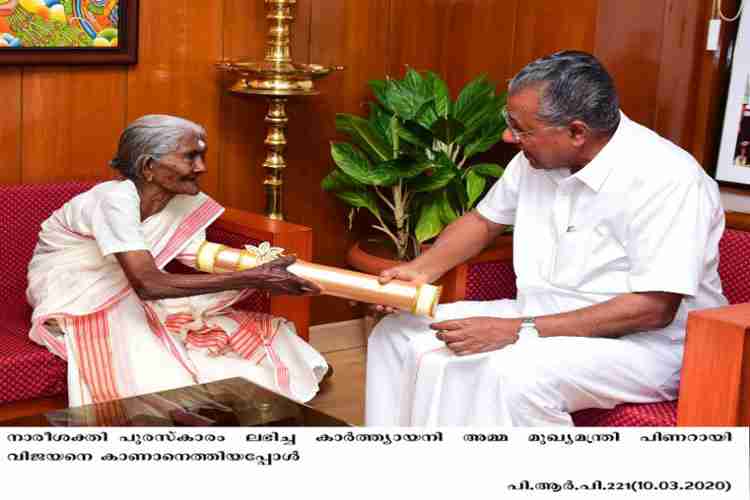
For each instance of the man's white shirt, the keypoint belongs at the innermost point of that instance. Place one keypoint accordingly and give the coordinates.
(641, 216)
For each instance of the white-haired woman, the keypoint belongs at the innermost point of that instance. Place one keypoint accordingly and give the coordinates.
(102, 300)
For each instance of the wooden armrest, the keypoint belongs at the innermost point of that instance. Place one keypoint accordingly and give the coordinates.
(295, 239)
(454, 281)
(715, 381)
(738, 220)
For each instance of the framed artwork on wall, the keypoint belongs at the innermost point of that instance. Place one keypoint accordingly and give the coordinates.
(733, 168)
(68, 32)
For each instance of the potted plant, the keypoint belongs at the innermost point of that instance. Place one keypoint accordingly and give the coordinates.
(412, 162)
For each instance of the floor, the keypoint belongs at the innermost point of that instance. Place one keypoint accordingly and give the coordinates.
(343, 394)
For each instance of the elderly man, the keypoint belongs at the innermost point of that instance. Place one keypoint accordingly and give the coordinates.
(102, 300)
(616, 234)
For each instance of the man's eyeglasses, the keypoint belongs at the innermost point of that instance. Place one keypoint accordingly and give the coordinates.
(520, 135)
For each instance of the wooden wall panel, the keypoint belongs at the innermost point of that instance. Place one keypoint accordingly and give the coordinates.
(457, 39)
(180, 42)
(96, 120)
(547, 26)
(10, 125)
(47, 106)
(683, 40)
(417, 36)
(479, 39)
(71, 121)
(241, 145)
(629, 43)
(353, 34)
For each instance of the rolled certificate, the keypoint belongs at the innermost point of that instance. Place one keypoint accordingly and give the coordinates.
(418, 299)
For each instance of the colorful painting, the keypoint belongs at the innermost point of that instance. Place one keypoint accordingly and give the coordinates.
(59, 23)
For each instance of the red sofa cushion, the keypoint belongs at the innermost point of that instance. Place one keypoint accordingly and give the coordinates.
(28, 370)
(496, 280)
(734, 265)
(22, 210)
(491, 281)
(662, 414)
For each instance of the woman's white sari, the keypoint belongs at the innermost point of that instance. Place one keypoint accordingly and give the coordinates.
(117, 345)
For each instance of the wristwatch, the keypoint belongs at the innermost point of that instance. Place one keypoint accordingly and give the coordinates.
(528, 330)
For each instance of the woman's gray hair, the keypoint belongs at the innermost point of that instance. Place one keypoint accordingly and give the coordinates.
(150, 137)
(573, 86)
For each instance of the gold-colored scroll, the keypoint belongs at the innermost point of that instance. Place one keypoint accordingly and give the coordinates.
(352, 285)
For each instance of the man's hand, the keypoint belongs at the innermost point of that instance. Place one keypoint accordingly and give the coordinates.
(474, 335)
(405, 272)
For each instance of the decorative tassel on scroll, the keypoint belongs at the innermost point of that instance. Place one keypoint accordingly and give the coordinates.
(418, 299)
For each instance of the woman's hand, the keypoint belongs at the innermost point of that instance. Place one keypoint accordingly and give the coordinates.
(274, 278)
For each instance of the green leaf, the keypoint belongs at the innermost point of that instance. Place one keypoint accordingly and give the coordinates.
(485, 120)
(429, 224)
(356, 165)
(379, 90)
(402, 168)
(414, 82)
(414, 133)
(477, 95)
(447, 129)
(339, 181)
(361, 199)
(442, 102)
(488, 110)
(459, 190)
(380, 119)
(447, 212)
(481, 145)
(442, 159)
(403, 100)
(365, 135)
(475, 185)
(426, 116)
(488, 169)
(439, 178)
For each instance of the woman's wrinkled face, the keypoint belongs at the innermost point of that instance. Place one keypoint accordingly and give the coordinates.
(178, 172)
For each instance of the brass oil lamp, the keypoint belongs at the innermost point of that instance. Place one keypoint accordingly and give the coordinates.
(277, 78)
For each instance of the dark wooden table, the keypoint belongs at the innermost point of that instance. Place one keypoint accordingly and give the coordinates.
(231, 402)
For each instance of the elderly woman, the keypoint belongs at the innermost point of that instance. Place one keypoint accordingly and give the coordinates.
(102, 300)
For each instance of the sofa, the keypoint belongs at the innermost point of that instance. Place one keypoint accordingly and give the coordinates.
(33, 380)
(715, 377)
